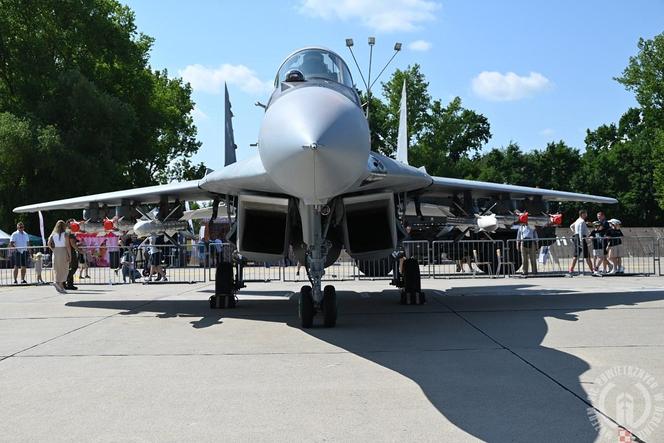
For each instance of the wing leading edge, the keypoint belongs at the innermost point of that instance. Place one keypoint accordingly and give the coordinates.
(447, 185)
(188, 190)
(246, 175)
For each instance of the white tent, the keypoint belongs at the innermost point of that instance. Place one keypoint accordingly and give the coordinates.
(4, 237)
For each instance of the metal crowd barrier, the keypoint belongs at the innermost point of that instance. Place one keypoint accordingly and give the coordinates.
(34, 259)
(658, 255)
(639, 255)
(139, 264)
(554, 256)
(441, 259)
(467, 258)
(108, 265)
(251, 271)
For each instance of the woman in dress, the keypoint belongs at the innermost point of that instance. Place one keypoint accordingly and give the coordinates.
(59, 245)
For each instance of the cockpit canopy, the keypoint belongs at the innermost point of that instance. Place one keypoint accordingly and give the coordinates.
(316, 63)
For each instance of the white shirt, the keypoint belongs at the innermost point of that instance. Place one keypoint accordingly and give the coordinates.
(20, 240)
(59, 240)
(525, 232)
(580, 228)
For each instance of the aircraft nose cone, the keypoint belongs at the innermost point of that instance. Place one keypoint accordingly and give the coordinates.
(314, 143)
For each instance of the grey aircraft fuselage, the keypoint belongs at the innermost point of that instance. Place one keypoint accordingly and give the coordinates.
(314, 144)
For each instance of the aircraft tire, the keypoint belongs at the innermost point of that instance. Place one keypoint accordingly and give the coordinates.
(306, 307)
(329, 306)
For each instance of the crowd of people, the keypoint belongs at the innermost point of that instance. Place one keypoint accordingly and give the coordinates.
(605, 239)
(602, 235)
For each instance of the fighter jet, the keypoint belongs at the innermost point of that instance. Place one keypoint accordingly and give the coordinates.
(315, 184)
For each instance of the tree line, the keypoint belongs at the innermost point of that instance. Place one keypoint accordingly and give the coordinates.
(623, 159)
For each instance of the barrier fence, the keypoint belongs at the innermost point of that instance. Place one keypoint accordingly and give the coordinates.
(192, 263)
(476, 258)
(658, 256)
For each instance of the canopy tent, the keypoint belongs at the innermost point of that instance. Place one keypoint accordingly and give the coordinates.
(35, 240)
(4, 237)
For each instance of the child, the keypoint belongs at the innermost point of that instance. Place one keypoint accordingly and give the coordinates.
(128, 264)
(614, 236)
(83, 263)
(38, 260)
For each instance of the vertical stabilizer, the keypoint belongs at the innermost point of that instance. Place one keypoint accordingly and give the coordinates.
(230, 145)
(402, 138)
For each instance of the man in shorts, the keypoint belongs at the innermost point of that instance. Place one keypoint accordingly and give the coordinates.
(599, 247)
(580, 234)
(19, 243)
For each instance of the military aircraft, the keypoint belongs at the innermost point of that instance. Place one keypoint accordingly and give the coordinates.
(315, 184)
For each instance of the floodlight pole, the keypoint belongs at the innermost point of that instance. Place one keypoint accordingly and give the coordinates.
(372, 42)
(368, 84)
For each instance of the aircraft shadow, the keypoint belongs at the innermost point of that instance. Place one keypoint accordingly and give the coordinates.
(450, 348)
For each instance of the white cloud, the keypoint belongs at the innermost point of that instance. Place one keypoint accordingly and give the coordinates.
(547, 132)
(211, 80)
(379, 15)
(198, 114)
(419, 45)
(496, 86)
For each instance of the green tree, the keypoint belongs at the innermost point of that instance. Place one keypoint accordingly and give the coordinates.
(452, 133)
(555, 167)
(440, 137)
(82, 107)
(506, 165)
(619, 161)
(644, 75)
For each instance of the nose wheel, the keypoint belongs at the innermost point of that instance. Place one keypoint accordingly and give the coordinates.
(307, 308)
(329, 306)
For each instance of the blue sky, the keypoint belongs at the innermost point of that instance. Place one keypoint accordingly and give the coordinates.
(539, 71)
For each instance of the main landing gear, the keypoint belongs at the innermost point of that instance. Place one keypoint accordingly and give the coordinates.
(226, 285)
(409, 280)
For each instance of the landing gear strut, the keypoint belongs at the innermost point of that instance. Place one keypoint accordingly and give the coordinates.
(314, 299)
(225, 287)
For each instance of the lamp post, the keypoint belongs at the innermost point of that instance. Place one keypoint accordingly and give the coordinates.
(368, 83)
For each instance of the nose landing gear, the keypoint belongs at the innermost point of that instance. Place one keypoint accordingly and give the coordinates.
(308, 308)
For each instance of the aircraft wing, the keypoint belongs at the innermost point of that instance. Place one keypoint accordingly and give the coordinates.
(188, 190)
(444, 186)
(246, 175)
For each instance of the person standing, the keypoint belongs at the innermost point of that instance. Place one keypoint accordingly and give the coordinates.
(19, 242)
(114, 253)
(599, 253)
(73, 256)
(601, 231)
(580, 234)
(58, 243)
(155, 249)
(614, 236)
(526, 240)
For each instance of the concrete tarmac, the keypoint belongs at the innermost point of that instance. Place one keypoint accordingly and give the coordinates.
(495, 360)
